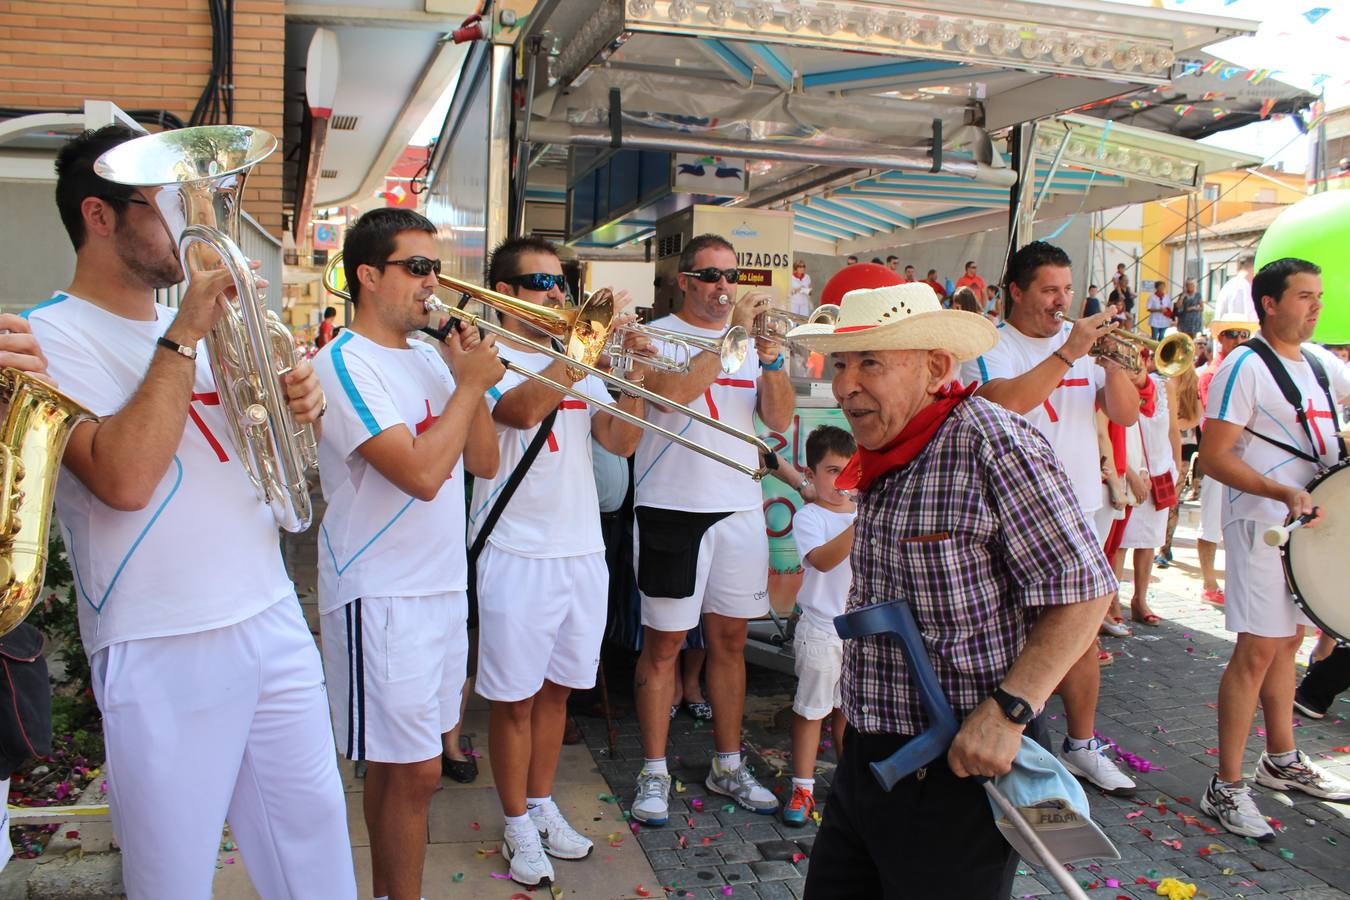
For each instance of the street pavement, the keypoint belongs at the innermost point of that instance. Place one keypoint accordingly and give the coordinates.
(1157, 704)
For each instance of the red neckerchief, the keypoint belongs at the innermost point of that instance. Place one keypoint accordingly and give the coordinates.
(867, 466)
(1148, 398)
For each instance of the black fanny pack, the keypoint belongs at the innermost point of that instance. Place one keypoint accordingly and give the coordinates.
(25, 698)
(668, 541)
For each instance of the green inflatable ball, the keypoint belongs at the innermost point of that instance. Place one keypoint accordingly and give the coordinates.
(1318, 229)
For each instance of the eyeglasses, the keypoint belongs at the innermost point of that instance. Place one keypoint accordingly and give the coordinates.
(539, 281)
(1235, 335)
(417, 266)
(712, 274)
(133, 199)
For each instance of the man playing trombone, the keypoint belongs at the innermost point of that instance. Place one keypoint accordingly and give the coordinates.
(203, 667)
(392, 569)
(543, 584)
(701, 545)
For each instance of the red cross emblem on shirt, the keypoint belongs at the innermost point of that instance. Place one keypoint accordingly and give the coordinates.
(1313, 415)
(1067, 382)
(566, 404)
(727, 382)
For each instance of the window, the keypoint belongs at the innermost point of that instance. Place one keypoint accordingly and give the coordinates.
(1211, 192)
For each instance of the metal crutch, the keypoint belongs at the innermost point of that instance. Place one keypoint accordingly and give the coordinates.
(895, 618)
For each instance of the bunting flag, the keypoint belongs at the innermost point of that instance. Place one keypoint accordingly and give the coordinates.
(1181, 109)
(1256, 76)
(1319, 79)
(1137, 104)
(1219, 112)
(1266, 106)
(1315, 13)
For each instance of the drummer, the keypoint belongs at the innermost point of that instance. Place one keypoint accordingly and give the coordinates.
(1265, 448)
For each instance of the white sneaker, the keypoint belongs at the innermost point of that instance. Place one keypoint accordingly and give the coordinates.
(651, 805)
(560, 839)
(1301, 775)
(740, 785)
(1236, 810)
(1090, 763)
(525, 851)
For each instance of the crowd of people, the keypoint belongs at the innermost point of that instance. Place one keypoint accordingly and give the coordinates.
(992, 477)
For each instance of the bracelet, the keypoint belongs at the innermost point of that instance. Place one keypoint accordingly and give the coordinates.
(1062, 358)
(640, 382)
(322, 409)
(773, 366)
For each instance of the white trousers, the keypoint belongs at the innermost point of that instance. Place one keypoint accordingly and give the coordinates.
(231, 724)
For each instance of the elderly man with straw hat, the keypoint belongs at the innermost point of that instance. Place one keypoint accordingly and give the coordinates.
(965, 512)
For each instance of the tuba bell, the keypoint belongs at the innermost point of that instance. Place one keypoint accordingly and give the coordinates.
(199, 176)
(33, 439)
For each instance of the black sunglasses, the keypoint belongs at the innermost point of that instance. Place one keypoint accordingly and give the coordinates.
(539, 281)
(417, 266)
(712, 274)
(1234, 335)
(132, 198)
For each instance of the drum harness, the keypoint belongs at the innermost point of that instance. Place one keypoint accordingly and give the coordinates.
(1295, 398)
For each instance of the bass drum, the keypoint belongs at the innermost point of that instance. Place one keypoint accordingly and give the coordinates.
(1316, 561)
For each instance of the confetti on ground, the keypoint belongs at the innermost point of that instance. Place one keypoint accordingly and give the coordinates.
(457, 877)
(727, 890)
(679, 787)
(475, 826)
(798, 857)
(696, 805)
(501, 876)
(1331, 840)
(1211, 751)
(1134, 815)
(1174, 889)
(635, 828)
(729, 808)
(1343, 749)
(615, 839)
(1175, 845)
(642, 891)
(607, 798)
(1286, 853)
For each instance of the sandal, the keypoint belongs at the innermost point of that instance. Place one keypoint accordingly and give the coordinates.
(463, 771)
(701, 710)
(1149, 619)
(1105, 658)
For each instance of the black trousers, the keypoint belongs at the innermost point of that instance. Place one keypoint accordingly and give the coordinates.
(933, 835)
(1327, 678)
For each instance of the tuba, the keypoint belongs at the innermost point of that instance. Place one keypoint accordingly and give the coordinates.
(199, 176)
(32, 441)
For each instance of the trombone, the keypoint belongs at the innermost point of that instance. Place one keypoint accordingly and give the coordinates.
(680, 349)
(1172, 355)
(584, 331)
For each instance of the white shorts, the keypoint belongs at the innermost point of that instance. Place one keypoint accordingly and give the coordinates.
(732, 576)
(1147, 528)
(819, 662)
(224, 724)
(1211, 511)
(6, 848)
(1256, 597)
(396, 669)
(539, 619)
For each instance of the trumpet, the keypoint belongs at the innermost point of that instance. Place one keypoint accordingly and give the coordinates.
(1172, 355)
(680, 349)
(584, 331)
(774, 324)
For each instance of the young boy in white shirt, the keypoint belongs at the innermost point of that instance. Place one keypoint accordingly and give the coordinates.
(823, 530)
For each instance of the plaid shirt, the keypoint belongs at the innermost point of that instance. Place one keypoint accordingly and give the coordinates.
(977, 533)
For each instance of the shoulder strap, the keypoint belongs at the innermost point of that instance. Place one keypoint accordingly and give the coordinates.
(1291, 395)
(1320, 373)
(509, 488)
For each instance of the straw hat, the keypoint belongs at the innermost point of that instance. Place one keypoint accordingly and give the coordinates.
(899, 317)
(1235, 321)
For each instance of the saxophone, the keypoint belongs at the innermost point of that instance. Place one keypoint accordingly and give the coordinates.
(32, 441)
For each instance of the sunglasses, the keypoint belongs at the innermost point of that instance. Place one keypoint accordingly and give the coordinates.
(132, 199)
(417, 266)
(1232, 334)
(539, 281)
(712, 274)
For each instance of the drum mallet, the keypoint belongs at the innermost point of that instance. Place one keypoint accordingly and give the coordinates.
(895, 619)
(1278, 535)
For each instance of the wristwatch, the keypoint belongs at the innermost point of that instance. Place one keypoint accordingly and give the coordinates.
(180, 349)
(1018, 711)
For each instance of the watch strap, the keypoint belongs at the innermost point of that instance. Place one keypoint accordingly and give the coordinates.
(180, 349)
(1014, 708)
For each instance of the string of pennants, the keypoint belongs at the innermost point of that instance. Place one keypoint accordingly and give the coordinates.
(1218, 112)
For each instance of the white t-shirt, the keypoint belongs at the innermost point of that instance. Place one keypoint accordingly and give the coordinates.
(822, 594)
(555, 511)
(1244, 392)
(203, 553)
(1156, 305)
(1235, 300)
(670, 476)
(376, 540)
(1067, 418)
(1153, 433)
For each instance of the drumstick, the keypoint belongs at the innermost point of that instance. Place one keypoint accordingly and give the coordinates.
(1278, 535)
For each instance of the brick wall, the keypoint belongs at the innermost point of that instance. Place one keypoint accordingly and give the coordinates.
(147, 54)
